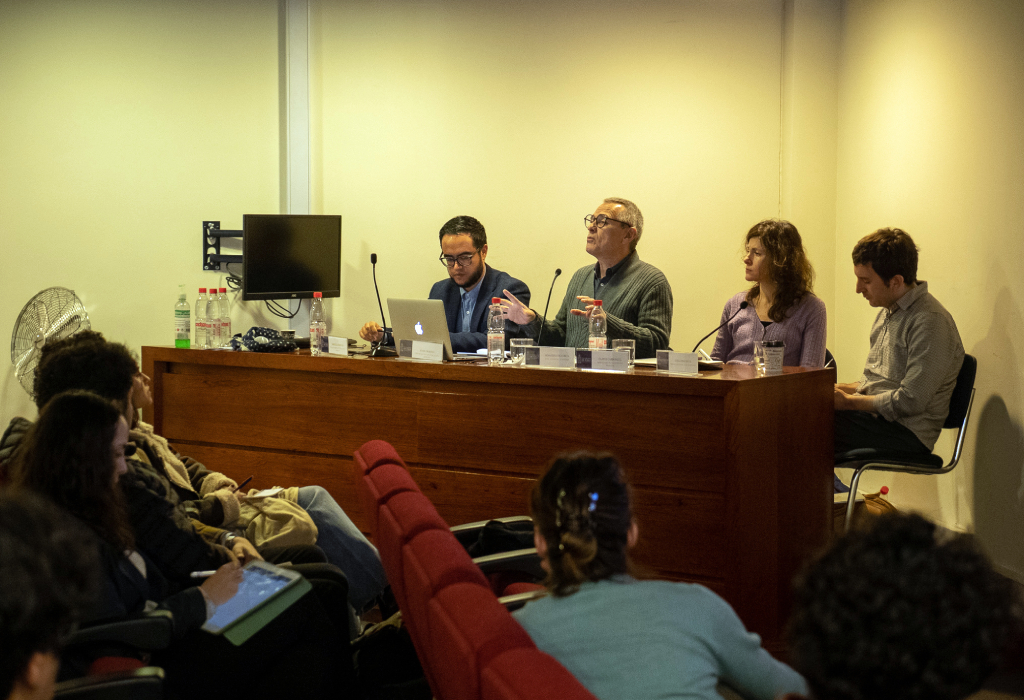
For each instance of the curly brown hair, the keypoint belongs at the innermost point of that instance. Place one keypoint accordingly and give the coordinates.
(788, 266)
(68, 457)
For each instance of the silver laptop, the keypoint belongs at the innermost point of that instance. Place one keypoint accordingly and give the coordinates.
(420, 319)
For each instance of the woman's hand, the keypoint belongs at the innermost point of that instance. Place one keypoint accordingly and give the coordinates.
(223, 585)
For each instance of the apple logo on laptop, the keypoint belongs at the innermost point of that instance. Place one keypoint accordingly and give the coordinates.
(419, 328)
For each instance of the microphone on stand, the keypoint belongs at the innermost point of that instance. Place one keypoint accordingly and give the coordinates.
(543, 318)
(381, 349)
(743, 305)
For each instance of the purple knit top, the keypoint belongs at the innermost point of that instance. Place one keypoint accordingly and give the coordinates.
(803, 331)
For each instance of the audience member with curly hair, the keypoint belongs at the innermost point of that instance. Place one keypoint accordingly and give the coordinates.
(620, 636)
(782, 305)
(900, 611)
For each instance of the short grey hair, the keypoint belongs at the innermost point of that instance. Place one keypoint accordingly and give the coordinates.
(631, 216)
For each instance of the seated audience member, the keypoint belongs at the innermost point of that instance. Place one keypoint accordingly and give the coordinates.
(901, 611)
(47, 579)
(622, 637)
(902, 397)
(635, 295)
(782, 305)
(210, 498)
(468, 291)
(159, 517)
(75, 455)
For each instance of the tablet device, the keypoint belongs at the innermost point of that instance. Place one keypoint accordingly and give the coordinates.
(265, 592)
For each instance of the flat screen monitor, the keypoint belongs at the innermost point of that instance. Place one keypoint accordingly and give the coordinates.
(290, 256)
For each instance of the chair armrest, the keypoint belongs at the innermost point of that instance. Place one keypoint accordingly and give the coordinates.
(514, 602)
(149, 631)
(522, 560)
(145, 683)
(479, 524)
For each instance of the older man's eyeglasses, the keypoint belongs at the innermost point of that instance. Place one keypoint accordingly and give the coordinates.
(600, 221)
(463, 260)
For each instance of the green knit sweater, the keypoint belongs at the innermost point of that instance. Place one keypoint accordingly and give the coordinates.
(637, 299)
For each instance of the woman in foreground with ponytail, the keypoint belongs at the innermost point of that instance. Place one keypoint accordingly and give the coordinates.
(622, 637)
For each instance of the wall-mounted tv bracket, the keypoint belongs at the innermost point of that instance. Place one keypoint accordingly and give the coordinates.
(211, 246)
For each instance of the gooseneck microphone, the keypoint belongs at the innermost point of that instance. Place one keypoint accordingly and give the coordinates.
(380, 349)
(543, 318)
(743, 305)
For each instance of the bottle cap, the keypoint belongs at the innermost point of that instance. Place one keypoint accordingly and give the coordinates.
(202, 290)
(495, 300)
(884, 490)
(318, 295)
(598, 302)
(223, 290)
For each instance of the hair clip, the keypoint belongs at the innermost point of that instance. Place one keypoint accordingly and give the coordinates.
(593, 502)
(558, 508)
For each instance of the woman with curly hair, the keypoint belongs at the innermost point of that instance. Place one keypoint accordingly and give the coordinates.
(620, 636)
(781, 304)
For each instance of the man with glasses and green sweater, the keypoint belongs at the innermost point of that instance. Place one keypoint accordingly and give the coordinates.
(635, 295)
(468, 291)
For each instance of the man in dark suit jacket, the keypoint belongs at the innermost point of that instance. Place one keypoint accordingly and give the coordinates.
(470, 286)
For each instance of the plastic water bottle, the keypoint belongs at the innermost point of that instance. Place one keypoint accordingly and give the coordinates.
(213, 320)
(598, 327)
(317, 324)
(202, 339)
(495, 333)
(225, 316)
(182, 320)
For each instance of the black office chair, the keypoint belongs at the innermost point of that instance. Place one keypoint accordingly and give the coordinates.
(871, 459)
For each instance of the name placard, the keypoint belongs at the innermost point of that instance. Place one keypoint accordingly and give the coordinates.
(677, 362)
(602, 360)
(543, 356)
(421, 350)
(337, 346)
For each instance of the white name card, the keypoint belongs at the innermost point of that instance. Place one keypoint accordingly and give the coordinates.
(544, 356)
(421, 350)
(337, 346)
(677, 362)
(602, 360)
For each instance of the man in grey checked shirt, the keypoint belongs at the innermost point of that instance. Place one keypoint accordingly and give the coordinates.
(902, 398)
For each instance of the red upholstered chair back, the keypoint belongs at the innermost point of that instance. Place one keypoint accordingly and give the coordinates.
(374, 453)
(405, 515)
(529, 674)
(467, 627)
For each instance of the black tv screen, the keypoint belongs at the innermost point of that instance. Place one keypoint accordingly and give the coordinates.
(290, 256)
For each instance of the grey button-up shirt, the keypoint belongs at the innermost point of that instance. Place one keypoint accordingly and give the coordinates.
(915, 357)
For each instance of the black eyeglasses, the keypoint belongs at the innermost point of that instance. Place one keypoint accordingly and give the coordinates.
(463, 260)
(601, 221)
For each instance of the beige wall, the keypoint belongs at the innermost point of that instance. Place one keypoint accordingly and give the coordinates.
(125, 124)
(930, 140)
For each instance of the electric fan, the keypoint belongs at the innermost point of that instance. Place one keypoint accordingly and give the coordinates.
(50, 315)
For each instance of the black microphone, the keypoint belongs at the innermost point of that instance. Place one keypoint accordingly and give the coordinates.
(543, 318)
(380, 349)
(743, 305)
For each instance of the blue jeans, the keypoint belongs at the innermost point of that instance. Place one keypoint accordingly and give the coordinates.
(345, 546)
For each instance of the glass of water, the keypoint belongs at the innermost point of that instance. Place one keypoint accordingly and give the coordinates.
(516, 352)
(625, 345)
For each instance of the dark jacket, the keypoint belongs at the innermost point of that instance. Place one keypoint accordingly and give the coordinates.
(492, 285)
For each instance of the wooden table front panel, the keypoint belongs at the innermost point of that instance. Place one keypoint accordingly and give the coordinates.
(731, 473)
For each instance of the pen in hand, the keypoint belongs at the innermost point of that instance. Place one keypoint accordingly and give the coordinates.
(241, 485)
(203, 574)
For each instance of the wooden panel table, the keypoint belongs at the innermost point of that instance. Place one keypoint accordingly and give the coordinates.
(732, 473)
